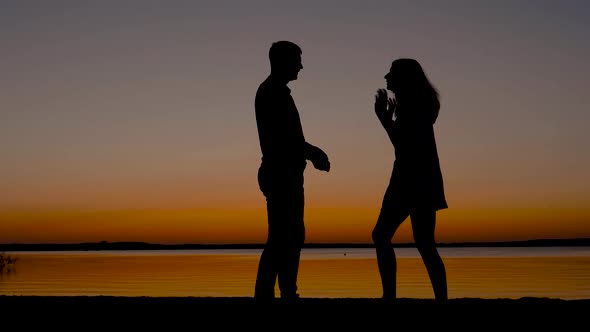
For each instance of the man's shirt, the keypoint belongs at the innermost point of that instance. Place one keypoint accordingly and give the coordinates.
(279, 128)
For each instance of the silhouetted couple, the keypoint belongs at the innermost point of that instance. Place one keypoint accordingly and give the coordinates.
(415, 189)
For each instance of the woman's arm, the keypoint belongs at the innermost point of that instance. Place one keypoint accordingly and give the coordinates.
(385, 110)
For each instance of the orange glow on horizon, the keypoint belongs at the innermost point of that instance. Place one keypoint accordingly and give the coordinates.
(334, 225)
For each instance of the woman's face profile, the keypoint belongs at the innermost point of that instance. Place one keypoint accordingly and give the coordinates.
(391, 81)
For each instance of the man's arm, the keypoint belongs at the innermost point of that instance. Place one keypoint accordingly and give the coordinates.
(270, 133)
(317, 156)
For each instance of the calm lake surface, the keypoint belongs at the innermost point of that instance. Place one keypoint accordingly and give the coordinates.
(554, 272)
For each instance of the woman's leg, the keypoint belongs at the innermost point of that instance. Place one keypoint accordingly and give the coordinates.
(390, 218)
(423, 225)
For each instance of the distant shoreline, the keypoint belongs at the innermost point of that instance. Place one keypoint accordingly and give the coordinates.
(104, 245)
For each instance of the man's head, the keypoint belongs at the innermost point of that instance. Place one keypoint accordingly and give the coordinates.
(285, 60)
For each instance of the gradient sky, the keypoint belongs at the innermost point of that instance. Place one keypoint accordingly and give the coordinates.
(134, 120)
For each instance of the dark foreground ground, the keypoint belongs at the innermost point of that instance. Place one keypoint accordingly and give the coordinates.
(222, 313)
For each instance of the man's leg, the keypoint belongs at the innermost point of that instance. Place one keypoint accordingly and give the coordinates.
(286, 233)
(292, 230)
(267, 274)
(269, 259)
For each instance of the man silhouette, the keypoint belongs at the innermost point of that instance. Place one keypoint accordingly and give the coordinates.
(280, 176)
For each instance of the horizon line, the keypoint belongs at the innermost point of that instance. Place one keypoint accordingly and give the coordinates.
(139, 245)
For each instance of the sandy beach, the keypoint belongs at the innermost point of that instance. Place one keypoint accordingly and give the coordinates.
(244, 312)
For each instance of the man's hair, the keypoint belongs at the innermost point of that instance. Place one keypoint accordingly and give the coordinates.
(283, 50)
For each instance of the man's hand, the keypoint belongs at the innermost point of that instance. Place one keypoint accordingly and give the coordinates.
(319, 159)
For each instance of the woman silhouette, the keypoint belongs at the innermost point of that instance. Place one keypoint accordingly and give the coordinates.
(416, 185)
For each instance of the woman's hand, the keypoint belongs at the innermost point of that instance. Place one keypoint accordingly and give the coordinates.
(384, 107)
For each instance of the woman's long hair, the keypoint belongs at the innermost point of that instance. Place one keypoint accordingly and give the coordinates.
(415, 88)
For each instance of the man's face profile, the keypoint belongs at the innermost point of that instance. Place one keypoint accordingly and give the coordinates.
(292, 66)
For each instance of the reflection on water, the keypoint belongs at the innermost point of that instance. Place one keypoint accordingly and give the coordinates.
(324, 273)
(6, 273)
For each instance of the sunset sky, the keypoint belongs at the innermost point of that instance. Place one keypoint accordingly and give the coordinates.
(134, 120)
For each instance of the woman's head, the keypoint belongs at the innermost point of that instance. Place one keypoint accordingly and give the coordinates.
(407, 80)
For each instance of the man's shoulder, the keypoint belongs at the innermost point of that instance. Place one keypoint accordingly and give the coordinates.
(267, 86)
(269, 92)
